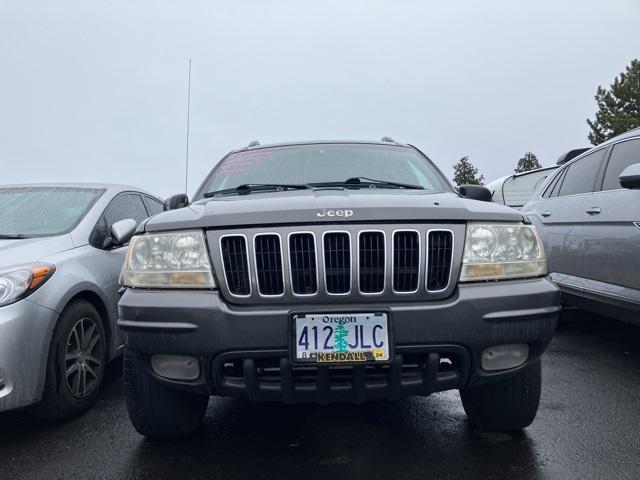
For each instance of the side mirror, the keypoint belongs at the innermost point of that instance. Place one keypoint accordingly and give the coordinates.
(475, 192)
(630, 177)
(122, 231)
(176, 201)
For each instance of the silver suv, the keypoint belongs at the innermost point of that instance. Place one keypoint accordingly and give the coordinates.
(588, 215)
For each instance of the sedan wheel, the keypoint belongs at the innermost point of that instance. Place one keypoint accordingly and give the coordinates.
(83, 358)
(76, 363)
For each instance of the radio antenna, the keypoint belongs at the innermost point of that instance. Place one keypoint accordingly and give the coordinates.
(186, 169)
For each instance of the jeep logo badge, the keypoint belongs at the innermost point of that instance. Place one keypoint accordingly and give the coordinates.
(334, 213)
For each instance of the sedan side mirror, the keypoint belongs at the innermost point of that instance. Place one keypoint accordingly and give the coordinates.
(475, 192)
(122, 231)
(630, 177)
(176, 201)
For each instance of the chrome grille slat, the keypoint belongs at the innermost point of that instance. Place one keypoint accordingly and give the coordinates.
(406, 261)
(236, 264)
(303, 269)
(268, 258)
(439, 258)
(337, 261)
(372, 271)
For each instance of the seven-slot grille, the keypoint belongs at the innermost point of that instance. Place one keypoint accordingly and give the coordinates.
(439, 253)
(305, 257)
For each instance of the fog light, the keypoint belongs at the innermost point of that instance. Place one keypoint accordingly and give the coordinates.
(176, 367)
(502, 357)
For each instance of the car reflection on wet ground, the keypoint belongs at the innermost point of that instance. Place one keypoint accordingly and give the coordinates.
(587, 427)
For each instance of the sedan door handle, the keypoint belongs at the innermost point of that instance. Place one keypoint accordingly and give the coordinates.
(546, 214)
(593, 211)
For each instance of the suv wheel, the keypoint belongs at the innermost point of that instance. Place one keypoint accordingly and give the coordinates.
(76, 363)
(156, 410)
(509, 404)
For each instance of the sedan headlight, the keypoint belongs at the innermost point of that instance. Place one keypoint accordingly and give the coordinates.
(168, 260)
(22, 280)
(502, 251)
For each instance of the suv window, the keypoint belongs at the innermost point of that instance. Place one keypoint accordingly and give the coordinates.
(581, 175)
(624, 154)
(154, 207)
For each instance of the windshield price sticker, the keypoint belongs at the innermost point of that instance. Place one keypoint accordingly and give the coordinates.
(341, 338)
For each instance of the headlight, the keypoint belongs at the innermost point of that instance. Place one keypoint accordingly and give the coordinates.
(22, 280)
(502, 251)
(168, 260)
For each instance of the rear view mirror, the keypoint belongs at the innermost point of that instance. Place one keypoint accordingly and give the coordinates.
(176, 201)
(122, 231)
(630, 177)
(475, 192)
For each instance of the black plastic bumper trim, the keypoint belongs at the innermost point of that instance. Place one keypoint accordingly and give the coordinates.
(353, 384)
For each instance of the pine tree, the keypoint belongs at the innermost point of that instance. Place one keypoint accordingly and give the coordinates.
(527, 163)
(340, 338)
(464, 173)
(619, 107)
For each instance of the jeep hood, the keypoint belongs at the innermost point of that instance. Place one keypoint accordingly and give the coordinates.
(303, 206)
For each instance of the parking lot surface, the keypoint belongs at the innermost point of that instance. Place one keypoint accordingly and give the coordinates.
(587, 427)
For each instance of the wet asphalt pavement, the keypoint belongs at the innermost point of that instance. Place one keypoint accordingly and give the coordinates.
(588, 426)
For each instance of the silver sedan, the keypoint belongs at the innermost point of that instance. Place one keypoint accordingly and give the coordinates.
(61, 252)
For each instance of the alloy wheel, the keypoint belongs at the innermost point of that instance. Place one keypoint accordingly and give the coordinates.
(83, 358)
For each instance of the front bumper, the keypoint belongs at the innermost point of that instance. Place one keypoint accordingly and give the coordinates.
(25, 332)
(244, 350)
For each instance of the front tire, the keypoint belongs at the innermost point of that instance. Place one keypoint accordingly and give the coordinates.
(76, 364)
(158, 411)
(509, 404)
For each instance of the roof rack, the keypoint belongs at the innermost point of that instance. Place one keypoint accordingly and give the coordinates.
(387, 139)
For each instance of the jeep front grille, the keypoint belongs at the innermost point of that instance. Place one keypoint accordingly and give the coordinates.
(236, 264)
(439, 251)
(329, 264)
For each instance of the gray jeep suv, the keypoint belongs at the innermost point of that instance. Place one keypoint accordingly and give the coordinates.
(333, 272)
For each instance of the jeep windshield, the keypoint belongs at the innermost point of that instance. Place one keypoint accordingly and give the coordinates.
(325, 165)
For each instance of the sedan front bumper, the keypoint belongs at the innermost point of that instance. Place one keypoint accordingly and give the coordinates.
(25, 333)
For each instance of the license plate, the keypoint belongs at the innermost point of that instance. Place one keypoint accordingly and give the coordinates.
(341, 337)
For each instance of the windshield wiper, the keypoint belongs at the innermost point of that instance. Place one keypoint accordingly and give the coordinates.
(246, 188)
(367, 182)
(16, 236)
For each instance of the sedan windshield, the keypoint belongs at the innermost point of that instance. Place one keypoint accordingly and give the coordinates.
(325, 164)
(43, 211)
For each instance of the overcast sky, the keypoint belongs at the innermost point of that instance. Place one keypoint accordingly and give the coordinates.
(96, 91)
